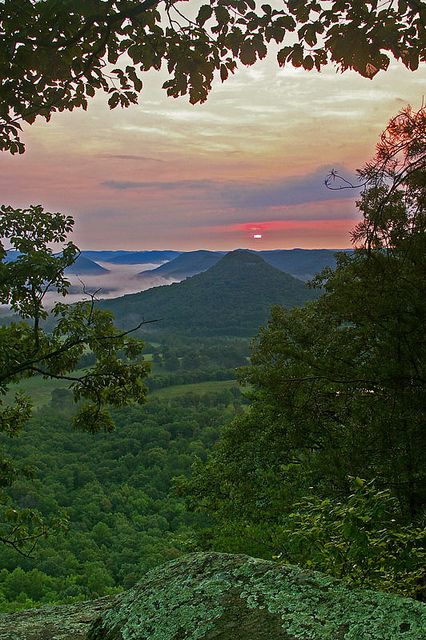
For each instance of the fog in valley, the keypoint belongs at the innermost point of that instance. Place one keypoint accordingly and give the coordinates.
(120, 280)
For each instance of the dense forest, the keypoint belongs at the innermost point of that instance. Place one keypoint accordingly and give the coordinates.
(264, 414)
(113, 492)
(326, 469)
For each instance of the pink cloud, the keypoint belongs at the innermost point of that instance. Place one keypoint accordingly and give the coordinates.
(284, 225)
(309, 234)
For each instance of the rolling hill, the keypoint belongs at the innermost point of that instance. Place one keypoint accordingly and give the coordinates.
(143, 257)
(84, 267)
(185, 265)
(231, 298)
(301, 263)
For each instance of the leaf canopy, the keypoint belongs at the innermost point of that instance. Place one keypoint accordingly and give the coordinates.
(55, 55)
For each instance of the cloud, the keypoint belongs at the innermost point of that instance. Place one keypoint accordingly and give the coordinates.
(248, 195)
(260, 108)
(292, 190)
(341, 209)
(134, 158)
(200, 115)
(124, 185)
(276, 225)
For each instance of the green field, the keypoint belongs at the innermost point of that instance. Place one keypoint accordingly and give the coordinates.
(40, 390)
(197, 387)
(37, 388)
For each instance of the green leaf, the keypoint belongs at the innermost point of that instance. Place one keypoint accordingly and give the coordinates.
(204, 14)
(248, 53)
(114, 100)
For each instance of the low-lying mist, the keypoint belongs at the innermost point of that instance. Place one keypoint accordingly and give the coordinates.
(121, 279)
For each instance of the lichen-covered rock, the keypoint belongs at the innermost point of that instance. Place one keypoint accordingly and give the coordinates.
(213, 596)
(227, 597)
(66, 622)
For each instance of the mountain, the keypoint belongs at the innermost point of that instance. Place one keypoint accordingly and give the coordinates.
(185, 265)
(84, 267)
(143, 257)
(103, 256)
(301, 263)
(231, 298)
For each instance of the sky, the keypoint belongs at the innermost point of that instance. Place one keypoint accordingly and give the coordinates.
(244, 170)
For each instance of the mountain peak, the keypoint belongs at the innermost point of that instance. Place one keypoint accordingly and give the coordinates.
(242, 255)
(185, 265)
(240, 262)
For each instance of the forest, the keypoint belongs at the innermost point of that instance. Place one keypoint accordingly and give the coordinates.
(112, 496)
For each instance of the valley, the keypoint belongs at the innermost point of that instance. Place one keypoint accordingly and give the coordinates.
(115, 273)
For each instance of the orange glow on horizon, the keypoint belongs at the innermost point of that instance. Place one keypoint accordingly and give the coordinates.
(280, 225)
(324, 233)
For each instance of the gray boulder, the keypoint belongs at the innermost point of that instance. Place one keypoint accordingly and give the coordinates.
(228, 597)
(213, 596)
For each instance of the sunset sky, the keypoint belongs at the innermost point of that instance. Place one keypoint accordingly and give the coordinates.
(250, 161)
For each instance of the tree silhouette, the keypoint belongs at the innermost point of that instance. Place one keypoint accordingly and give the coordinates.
(55, 55)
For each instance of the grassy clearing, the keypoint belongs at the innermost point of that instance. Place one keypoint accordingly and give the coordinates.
(40, 390)
(37, 388)
(210, 386)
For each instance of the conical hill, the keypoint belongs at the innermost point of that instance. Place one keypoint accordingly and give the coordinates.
(232, 298)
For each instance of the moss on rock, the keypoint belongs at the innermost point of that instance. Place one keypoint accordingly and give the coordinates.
(64, 622)
(213, 596)
(227, 597)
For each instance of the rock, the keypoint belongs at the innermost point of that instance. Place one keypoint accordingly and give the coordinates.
(213, 596)
(228, 597)
(64, 622)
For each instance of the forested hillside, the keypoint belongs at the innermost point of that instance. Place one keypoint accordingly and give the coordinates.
(327, 466)
(85, 266)
(231, 298)
(300, 263)
(262, 431)
(185, 265)
(115, 489)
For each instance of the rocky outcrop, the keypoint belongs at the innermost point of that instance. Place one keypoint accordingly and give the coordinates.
(228, 597)
(65, 622)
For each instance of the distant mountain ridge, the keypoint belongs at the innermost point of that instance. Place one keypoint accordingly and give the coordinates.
(186, 265)
(81, 266)
(231, 298)
(143, 257)
(303, 264)
(102, 256)
(85, 266)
